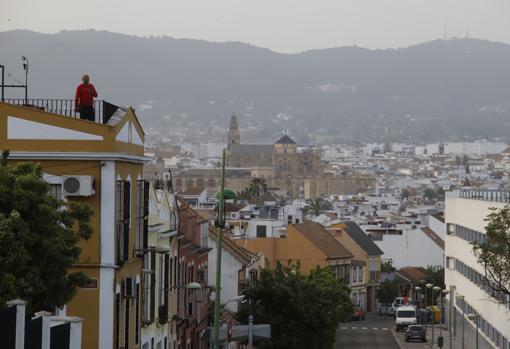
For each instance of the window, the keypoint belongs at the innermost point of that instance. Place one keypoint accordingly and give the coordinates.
(123, 207)
(253, 276)
(354, 274)
(141, 216)
(56, 191)
(261, 231)
(126, 323)
(119, 224)
(161, 280)
(189, 310)
(149, 287)
(117, 320)
(204, 234)
(137, 315)
(360, 274)
(450, 228)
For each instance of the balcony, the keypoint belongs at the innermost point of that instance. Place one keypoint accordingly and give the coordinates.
(103, 109)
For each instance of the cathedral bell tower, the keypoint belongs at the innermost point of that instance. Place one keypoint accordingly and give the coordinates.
(234, 137)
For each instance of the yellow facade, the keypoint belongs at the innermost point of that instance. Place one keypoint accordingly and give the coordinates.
(67, 146)
(295, 246)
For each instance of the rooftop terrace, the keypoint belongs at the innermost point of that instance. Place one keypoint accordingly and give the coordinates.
(104, 111)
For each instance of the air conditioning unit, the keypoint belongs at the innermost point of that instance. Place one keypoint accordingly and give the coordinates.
(129, 287)
(78, 185)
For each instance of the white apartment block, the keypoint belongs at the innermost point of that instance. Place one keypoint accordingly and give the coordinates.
(464, 216)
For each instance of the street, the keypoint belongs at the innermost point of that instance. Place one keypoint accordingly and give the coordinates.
(374, 332)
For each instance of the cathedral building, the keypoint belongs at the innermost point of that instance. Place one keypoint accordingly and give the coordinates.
(287, 170)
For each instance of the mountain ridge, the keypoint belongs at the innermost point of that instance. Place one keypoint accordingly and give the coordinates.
(438, 90)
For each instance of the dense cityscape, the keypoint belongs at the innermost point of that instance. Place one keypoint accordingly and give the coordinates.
(310, 200)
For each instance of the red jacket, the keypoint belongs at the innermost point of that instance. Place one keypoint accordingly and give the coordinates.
(85, 95)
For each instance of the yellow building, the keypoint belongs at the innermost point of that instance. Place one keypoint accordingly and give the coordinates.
(101, 164)
(350, 235)
(309, 243)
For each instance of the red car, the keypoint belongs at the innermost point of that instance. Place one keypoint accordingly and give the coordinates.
(359, 314)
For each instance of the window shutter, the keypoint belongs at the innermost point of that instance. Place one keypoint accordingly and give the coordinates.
(153, 285)
(167, 272)
(119, 226)
(146, 214)
(127, 218)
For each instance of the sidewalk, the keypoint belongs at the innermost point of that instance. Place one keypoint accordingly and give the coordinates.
(456, 339)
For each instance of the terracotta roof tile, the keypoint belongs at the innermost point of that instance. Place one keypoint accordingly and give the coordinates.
(323, 240)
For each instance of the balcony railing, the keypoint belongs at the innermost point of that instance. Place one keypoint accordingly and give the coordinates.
(486, 195)
(66, 107)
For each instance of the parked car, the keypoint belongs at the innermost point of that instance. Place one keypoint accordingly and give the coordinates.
(386, 309)
(359, 314)
(416, 332)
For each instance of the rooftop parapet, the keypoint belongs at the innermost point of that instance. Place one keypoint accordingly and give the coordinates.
(66, 107)
(484, 195)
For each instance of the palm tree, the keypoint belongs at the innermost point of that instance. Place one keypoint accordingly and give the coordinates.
(257, 186)
(318, 205)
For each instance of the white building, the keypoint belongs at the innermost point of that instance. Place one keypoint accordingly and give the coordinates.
(418, 247)
(464, 216)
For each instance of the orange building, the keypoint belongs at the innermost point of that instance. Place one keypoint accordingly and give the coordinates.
(350, 235)
(101, 164)
(309, 243)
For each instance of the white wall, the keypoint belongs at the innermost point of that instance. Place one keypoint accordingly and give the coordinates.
(413, 248)
(229, 274)
(437, 226)
(471, 213)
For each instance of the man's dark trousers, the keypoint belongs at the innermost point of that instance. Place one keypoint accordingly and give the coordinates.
(87, 113)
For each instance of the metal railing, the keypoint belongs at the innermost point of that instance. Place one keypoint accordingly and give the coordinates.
(486, 195)
(102, 109)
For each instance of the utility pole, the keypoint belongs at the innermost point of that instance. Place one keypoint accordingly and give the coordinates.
(220, 222)
(250, 332)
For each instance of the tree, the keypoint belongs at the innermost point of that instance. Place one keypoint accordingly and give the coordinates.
(387, 266)
(257, 186)
(38, 239)
(303, 310)
(429, 193)
(317, 206)
(493, 252)
(388, 291)
(435, 275)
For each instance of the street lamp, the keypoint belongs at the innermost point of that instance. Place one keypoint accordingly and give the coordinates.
(417, 290)
(434, 289)
(463, 319)
(428, 286)
(474, 317)
(441, 323)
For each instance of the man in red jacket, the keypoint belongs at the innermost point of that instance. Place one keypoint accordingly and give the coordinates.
(84, 100)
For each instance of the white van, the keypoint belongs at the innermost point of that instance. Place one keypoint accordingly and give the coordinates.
(400, 301)
(405, 316)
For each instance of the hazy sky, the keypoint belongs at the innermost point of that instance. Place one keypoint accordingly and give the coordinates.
(281, 25)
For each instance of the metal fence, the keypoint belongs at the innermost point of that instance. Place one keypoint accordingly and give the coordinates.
(103, 110)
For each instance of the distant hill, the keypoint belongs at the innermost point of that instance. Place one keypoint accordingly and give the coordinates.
(444, 89)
